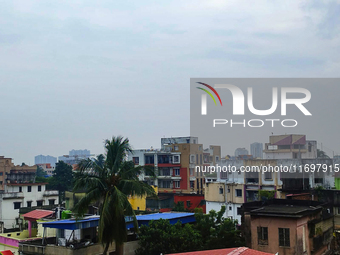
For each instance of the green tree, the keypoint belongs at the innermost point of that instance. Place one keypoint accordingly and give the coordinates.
(160, 237)
(211, 231)
(40, 172)
(266, 194)
(110, 180)
(62, 179)
(179, 207)
(40, 175)
(321, 154)
(217, 232)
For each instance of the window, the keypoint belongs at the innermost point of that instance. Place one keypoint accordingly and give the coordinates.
(177, 171)
(192, 184)
(149, 159)
(230, 208)
(40, 203)
(228, 190)
(51, 201)
(221, 190)
(177, 184)
(164, 184)
(188, 203)
(165, 172)
(135, 160)
(224, 175)
(1, 173)
(196, 159)
(191, 172)
(17, 205)
(268, 176)
(284, 239)
(239, 211)
(20, 189)
(176, 148)
(318, 180)
(176, 159)
(262, 235)
(238, 192)
(201, 159)
(29, 203)
(39, 188)
(29, 188)
(216, 158)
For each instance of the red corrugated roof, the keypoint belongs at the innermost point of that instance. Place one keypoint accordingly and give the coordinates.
(229, 251)
(37, 214)
(7, 252)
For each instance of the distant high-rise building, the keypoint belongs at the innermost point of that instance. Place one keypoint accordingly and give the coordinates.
(256, 149)
(75, 156)
(241, 151)
(41, 159)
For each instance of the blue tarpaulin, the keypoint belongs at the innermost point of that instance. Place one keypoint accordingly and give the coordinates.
(73, 224)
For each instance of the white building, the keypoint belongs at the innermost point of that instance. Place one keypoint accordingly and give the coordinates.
(241, 151)
(20, 195)
(235, 188)
(41, 159)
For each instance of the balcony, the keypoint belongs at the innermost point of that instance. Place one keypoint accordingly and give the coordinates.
(176, 178)
(13, 195)
(48, 193)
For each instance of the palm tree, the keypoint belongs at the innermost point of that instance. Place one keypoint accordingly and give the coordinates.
(110, 180)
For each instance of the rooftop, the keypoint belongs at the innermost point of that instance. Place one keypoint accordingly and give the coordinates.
(73, 224)
(172, 217)
(37, 214)
(283, 208)
(229, 251)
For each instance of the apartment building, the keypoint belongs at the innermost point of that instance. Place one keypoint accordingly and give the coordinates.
(15, 173)
(48, 168)
(290, 227)
(175, 164)
(17, 195)
(232, 189)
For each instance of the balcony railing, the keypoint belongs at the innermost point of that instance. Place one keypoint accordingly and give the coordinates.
(51, 193)
(13, 195)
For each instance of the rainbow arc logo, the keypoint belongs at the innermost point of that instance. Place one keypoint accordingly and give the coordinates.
(209, 93)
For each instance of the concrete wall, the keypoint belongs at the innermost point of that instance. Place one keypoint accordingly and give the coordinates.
(212, 192)
(273, 224)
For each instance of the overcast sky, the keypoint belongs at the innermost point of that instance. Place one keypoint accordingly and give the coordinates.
(74, 73)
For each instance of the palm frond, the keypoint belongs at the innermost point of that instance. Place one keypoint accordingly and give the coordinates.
(136, 188)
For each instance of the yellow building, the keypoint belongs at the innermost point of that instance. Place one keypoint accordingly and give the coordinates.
(139, 203)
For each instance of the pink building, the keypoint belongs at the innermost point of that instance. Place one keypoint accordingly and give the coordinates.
(288, 226)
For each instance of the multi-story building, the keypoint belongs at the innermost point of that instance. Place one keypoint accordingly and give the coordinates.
(176, 163)
(15, 173)
(75, 156)
(42, 159)
(282, 226)
(241, 151)
(256, 150)
(17, 195)
(290, 147)
(48, 168)
(232, 189)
